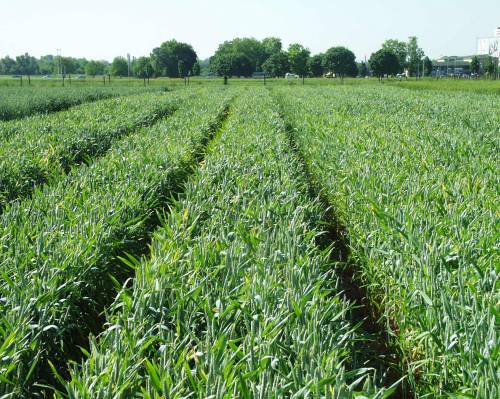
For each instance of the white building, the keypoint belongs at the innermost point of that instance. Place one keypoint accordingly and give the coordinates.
(489, 45)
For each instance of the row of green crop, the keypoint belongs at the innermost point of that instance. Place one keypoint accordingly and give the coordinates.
(59, 250)
(413, 178)
(16, 102)
(43, 148)
(236, 301)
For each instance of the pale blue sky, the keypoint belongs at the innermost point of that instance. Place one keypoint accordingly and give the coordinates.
(103, 29)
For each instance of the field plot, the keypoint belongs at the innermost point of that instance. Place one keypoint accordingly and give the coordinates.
(413, 178)
(59, 249)
(188, 244)
(42, 148)
(18, 103)
(236, 299)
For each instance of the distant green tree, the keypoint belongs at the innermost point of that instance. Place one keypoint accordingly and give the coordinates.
(47, 64)
(165, 59)
(384, 62)
(242, 65)
(277, 64)
(80, 65)
(196, 69)
(400, 49)
(475, 66)
(271, 45)
(119, 67)
(363, 69)
(298, 57)
(316, 65)
(490, 66)
(427, 66)
(341, 61)
(415, 55)
(204, 66)
(68, 65)
(93, 68)
(222, 64)
(245, 55)
(26, 64)
(143, 68)
(8, 66)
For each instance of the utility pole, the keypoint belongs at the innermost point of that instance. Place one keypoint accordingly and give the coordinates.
(59, 60)
(128, 66)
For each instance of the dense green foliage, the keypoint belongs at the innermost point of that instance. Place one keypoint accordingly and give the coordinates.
(119, 67)
(340, 61)
(413, 177)
(59, 249)
(42, 148)
(21, 102)
(384, 62)
(166, 59)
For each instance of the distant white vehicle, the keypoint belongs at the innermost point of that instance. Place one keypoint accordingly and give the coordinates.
(289, 75)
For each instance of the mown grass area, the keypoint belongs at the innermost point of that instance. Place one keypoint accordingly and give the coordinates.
(414, 182)
(60, 249)
(485, 86)
(447, 84)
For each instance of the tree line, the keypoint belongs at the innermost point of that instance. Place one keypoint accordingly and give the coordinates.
(238, 57)
(171, 58)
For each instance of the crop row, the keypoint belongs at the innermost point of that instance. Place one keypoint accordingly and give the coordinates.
(236, 301)
(59, 261)
(18, 103)
(413, 178)
(43, 148)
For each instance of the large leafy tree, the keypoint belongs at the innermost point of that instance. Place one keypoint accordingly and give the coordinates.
(384, 62)
(222, 64)
(400, 49)
(277, 64)
(341, 61)
(245, 55)
(8, 66)
(119, 66)
(26, 64)
(165, 59)
(298, 57)
(315, 65)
